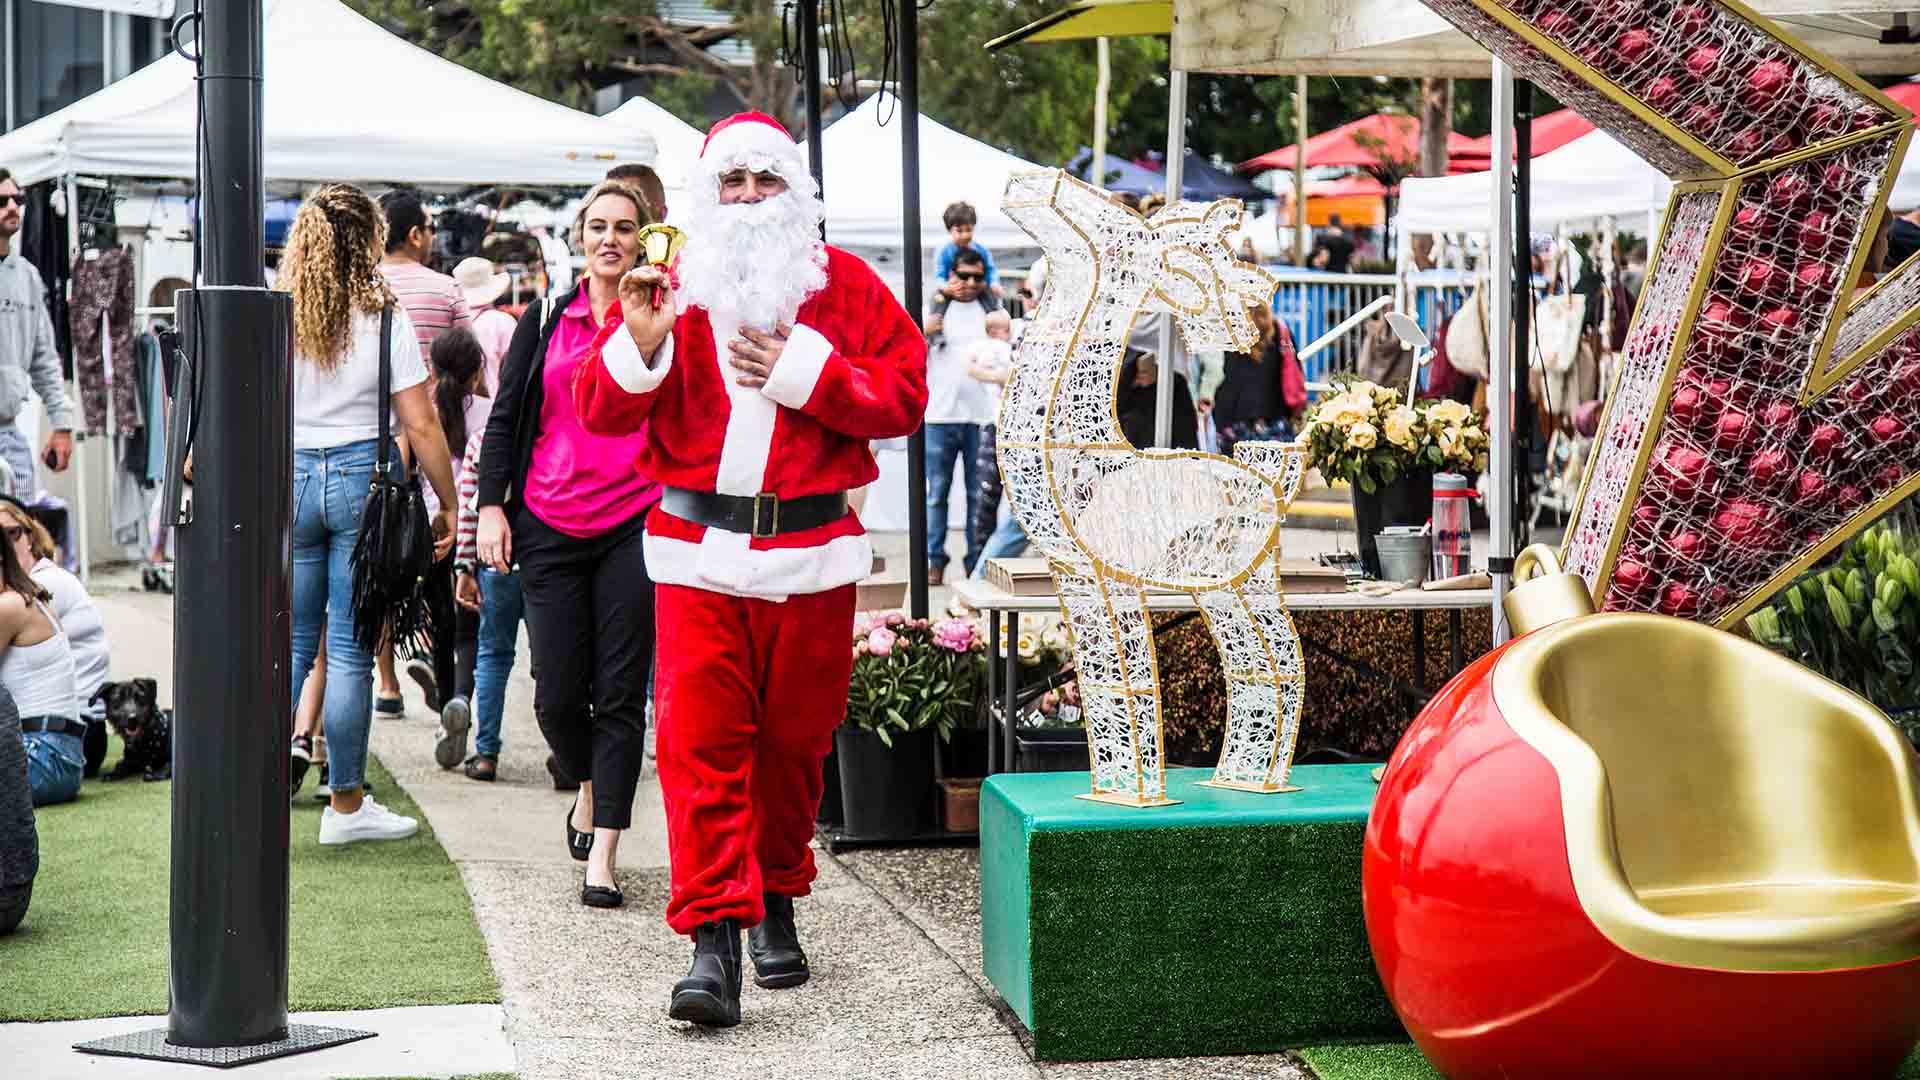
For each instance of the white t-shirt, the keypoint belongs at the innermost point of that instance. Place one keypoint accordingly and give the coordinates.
(953, 396)
(336, 408)
(87, 632)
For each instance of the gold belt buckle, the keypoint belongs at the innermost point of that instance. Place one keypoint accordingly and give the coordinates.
(766, 507)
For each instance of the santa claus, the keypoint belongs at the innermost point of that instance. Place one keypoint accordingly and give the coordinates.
(759, 381)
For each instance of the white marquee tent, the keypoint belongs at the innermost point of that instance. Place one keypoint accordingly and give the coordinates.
(1591, 177)
(678, 142)
(863, 179)
(345, 100)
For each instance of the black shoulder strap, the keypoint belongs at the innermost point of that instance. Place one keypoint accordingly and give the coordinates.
(385, 403)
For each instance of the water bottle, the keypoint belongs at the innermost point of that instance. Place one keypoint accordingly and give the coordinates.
(1452, 526)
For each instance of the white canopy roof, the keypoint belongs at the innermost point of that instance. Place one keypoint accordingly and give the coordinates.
(677, 141)
(345, 100)
(1590, 177)
(863, 181)
(1406, 37)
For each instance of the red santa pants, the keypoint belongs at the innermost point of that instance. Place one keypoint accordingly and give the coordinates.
(748, 693)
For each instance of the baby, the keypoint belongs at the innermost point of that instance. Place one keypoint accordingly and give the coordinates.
(990, 359)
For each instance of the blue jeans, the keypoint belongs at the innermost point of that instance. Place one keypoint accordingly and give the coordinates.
(19, 457)
(1007, 542)
(500, 613)
(945, 442)
(329, 490)
(54, 763)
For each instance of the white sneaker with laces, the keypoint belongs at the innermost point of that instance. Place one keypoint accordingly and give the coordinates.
(371, 822)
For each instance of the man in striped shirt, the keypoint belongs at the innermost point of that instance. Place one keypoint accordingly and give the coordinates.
(435, 304)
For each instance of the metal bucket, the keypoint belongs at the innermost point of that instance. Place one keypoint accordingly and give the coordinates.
(1403, 557)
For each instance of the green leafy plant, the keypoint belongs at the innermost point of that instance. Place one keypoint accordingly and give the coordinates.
(914, 674)
(1856, 620)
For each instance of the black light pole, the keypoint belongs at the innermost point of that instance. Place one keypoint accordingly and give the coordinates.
(1523, 411)
(227, 977)
(910, 252)
(809, 14)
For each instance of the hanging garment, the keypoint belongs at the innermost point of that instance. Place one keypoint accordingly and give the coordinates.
(103, 283)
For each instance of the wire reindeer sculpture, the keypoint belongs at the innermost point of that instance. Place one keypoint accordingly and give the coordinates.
(1117, 523)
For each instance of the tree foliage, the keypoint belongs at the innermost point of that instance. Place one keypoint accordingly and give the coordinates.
(1035, 101)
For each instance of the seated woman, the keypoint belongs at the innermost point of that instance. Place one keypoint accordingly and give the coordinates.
(36, 667)
(73, 609)
(19, 844)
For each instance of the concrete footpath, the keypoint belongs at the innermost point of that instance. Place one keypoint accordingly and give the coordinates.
(897, 988)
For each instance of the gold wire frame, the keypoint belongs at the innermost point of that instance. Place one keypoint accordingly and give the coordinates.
(1116, 522)
(1858, 337)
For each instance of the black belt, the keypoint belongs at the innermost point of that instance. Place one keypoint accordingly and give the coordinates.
(756, 515)
(53, 725)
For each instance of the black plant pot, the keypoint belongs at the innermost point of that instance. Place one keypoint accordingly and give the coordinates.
(1050, 750)
(1406, 501)
(887, 793)
(964, 755)
(831, 812)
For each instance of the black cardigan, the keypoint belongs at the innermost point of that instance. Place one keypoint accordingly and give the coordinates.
(514, 420)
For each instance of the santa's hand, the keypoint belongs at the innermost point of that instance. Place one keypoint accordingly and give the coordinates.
(647, 323)
(754, 357)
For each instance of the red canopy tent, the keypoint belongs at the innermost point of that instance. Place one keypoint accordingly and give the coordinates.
(1550, 132)
(1363, 144)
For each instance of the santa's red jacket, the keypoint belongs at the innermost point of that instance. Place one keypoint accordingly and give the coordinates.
(854, 369)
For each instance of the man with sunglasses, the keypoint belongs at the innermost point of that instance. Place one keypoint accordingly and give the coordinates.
(27, 356)
(959, 406)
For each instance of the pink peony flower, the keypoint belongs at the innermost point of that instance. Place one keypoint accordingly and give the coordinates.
(955, 635)
(862, 627)
(880, 642)
(895, 619)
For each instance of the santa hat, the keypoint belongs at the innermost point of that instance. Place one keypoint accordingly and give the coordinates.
(752, 140)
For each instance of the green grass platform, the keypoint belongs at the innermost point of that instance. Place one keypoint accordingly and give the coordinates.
(1229, 924)
(373, 925)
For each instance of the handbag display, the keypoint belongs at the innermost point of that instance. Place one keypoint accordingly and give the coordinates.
(393, 552)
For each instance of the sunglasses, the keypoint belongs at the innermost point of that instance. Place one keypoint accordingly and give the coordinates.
(13, 533)
(13, 200)
(971, 277)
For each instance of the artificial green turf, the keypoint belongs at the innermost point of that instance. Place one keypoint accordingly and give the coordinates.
(1401, 1061)
(1229, 924)
(373, 925)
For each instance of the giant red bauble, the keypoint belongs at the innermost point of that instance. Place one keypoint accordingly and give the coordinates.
(1769, 466)
(1734, 430)
(1703, 61)
(1680, 601)
(1809, 485)
(1688, 405)
(1825, 440)
(1766, 82)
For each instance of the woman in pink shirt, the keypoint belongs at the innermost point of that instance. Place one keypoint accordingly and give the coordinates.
(567, 508)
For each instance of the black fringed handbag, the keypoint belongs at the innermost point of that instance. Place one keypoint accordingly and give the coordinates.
(393, 552)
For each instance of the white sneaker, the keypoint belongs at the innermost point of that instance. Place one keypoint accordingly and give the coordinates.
(371, 822)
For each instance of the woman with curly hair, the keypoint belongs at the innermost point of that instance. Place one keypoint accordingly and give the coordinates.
(332, 270)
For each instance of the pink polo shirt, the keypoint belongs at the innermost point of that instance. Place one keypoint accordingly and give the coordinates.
(581, 484)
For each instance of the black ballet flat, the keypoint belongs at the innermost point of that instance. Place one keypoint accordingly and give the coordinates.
(579, 844)
(602, 897)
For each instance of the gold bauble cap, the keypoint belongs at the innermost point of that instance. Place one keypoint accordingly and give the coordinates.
(1544, 594)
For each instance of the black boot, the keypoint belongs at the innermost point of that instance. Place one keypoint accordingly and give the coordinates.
(710, 994)
(778, 959)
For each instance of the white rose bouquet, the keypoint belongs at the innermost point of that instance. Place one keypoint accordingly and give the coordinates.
(1366, 435)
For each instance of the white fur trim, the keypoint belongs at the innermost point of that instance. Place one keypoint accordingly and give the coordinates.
(750, 417)
(798, 371)
(630, 369)
(723, 562)
(741, 143)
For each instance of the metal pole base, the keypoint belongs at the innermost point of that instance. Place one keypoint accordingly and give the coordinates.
(152, 1045)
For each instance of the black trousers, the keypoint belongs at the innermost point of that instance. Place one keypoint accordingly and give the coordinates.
(441, 608)
(589, 610)
(986, 511)
(466, 650)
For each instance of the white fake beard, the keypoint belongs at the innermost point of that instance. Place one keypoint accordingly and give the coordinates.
(759, 260)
